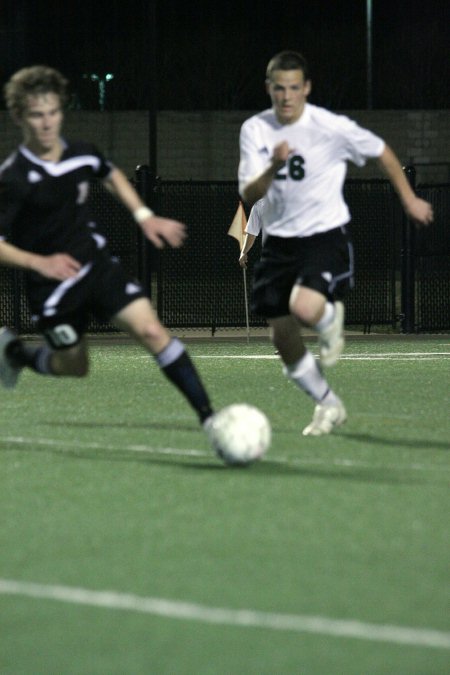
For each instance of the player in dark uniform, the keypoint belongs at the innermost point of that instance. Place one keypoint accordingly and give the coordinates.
(46, 230)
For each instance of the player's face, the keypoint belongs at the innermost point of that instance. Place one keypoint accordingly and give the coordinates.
(288, 91)
(41, 122)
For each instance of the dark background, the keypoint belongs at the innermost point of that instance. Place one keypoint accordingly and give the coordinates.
(202, 55)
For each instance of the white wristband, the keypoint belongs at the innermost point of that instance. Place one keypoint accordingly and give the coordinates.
(142, 213)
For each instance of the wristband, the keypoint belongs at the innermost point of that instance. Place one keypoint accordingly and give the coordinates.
(142, 213)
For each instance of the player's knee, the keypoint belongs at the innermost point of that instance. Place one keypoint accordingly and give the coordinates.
(152, 335)
(148, 331)
(308, 315)
(307, 306)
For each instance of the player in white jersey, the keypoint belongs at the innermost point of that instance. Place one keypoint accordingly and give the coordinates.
(46, 230)
(295, 156)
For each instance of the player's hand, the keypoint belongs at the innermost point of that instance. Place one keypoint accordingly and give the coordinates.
(59, 266)
(281, 153)
(243, 259)
(420, 211)
(162, 231)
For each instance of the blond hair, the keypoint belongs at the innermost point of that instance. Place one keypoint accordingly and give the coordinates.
(33, 81)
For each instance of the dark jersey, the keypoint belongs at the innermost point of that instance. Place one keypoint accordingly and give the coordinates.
(43, 205)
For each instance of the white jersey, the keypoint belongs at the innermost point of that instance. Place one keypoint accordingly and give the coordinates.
(306, 195)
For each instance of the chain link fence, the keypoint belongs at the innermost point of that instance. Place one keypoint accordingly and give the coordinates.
(402, 276)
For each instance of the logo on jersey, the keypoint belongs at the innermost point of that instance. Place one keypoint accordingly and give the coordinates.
(34, 176)
(132, 288)
(99, 239)
(83, 192)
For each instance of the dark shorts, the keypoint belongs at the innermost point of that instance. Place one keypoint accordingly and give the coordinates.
(323, 262)
(100, 290)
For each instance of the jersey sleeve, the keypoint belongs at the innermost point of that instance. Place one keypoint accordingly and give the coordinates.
(359, 144)
(105, 165)
(253, 159)
(100, 166)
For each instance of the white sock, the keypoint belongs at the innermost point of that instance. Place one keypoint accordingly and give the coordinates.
(326, 318)
(307, 376)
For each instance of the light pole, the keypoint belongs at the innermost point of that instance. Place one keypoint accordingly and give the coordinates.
(369, 53)
(102, 81)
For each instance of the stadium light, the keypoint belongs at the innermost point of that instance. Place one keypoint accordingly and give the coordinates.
(107, 77)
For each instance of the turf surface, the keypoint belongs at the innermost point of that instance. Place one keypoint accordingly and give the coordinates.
(328, 557)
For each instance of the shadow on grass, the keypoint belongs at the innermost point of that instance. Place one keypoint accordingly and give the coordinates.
(424, 443)
(267, 468)
(264, 469)
(373, 439)
(160, 426)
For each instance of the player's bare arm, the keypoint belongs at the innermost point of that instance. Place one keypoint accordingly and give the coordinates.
(249, 240)
(59, 266)
(160, 231)
(419, 210)
(257, 188)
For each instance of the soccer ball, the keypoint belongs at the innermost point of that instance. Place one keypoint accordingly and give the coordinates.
(240, 433)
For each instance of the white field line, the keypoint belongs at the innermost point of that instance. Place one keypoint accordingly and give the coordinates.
(83, 445)
(386, 356)
(248, 618)
(394, 356)
(67, 446)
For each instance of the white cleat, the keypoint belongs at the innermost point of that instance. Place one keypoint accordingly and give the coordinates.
(8, 371)
(331, 340)
(326, 418)
(209, 430)
(207, 424)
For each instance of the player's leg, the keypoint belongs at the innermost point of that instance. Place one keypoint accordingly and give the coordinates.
(70, 361)
(65, 355)
(140, 320)
(301, 367)
(313, 309)
(324, 275)
(9, 369)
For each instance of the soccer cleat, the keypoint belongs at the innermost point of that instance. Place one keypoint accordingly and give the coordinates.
(326, 418)
(206, 424)
(209, 430)
(331, 340)
(9, 372)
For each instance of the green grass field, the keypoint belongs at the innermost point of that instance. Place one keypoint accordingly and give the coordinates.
(128, 548)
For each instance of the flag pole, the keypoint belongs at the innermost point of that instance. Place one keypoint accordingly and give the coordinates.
(247, 322)
(236, 230)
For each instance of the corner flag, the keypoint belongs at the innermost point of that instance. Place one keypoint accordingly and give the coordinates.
(238, 225)
(236, 230)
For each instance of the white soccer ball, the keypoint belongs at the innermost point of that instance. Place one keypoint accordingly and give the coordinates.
(240, 433)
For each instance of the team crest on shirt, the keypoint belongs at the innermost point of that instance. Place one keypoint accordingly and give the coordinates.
(132, 288)
(83, 192)
(34, 176)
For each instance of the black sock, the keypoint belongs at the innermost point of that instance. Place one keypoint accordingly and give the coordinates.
(36, 357)
(177, 366)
